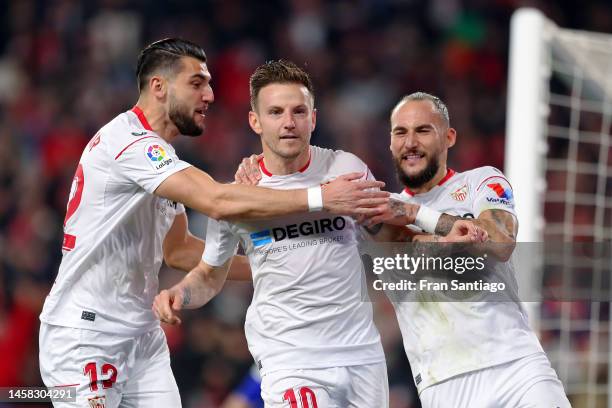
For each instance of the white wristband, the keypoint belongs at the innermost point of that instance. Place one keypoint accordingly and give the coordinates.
(315, 199)
(427, 219)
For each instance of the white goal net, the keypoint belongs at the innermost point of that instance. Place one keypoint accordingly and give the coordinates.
(559, 159)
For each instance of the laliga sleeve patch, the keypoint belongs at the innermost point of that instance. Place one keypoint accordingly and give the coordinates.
(158, 157)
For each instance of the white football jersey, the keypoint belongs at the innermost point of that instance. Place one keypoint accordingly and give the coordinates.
(445, 339)
(307, 309)
(114, 230)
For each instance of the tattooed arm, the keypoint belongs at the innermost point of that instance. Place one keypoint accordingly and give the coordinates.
(500, 225)
(397, 214)
(420, 242)
(462, 231)
(394, 212)
(196, 289)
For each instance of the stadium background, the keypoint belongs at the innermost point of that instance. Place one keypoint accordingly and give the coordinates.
(67, 67)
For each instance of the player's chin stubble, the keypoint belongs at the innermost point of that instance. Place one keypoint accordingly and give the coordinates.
(285, 154)
(184, 122)
(419, 179)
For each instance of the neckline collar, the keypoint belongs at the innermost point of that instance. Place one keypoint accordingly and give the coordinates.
(143, 120)
(267, 172)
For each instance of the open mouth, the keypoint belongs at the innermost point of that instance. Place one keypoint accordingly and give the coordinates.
(412, 157)
(201, 112)
(288, 137)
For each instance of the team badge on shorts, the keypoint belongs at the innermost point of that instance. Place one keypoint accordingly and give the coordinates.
(158, 157)
(97, 402)
(461, 193)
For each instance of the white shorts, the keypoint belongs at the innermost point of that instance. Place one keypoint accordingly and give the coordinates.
(524, 383)
(360, 386)
(108, 370)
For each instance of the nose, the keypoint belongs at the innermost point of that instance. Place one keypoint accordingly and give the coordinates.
(410, 140)
(208, 95)
(289, 121)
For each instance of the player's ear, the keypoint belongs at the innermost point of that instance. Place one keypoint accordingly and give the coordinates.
(158, 86)
(314, 118)
(451, 137)
(254, 122)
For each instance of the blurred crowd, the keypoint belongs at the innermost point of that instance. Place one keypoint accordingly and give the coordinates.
(67, 68)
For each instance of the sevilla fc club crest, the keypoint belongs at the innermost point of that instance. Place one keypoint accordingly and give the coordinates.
(461, 193)
(97, 402)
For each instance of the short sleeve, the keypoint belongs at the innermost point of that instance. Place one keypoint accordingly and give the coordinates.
(493, 192)
(148, 162)
(344, 162)
(221, 243)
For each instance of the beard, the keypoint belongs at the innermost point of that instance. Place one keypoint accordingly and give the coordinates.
(184, 122)
(419, 179)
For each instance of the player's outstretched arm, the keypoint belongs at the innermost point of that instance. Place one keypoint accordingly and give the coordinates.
(393, 212)
(196, 289)
(346, 195)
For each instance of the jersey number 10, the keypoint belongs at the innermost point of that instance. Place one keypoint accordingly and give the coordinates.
(306, 395)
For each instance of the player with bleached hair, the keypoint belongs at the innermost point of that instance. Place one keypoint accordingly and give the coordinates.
(125, 215)
(463, 354)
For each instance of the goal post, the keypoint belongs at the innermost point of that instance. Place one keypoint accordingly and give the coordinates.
(558, 158)
(526, 119)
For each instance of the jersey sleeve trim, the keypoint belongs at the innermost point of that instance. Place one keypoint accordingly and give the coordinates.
(135, 141)
(221, 243)
(162, 177)
(222, 253)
